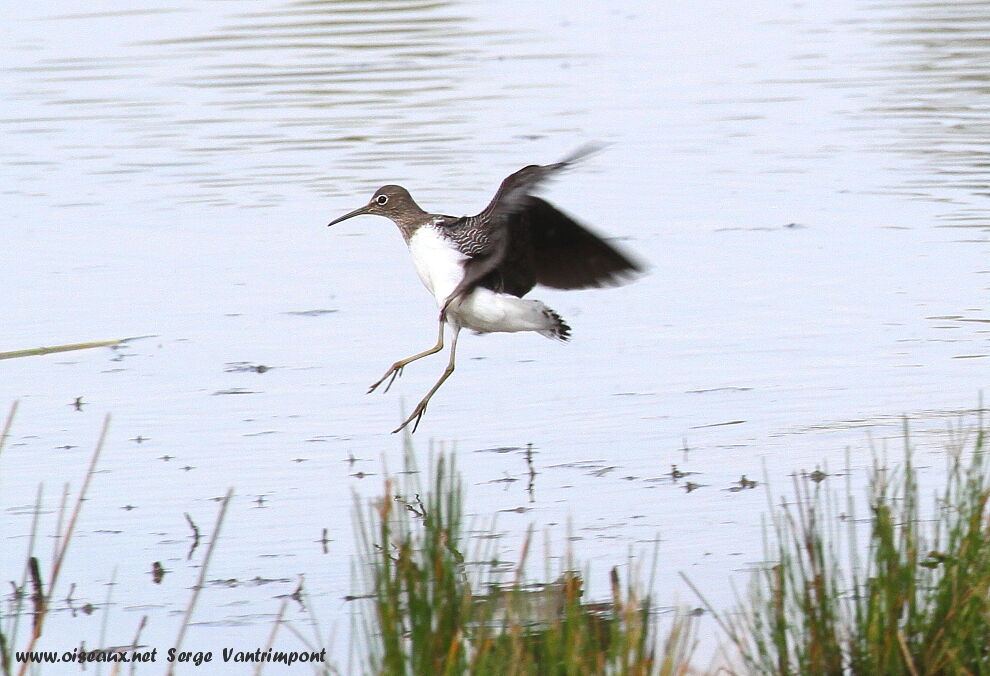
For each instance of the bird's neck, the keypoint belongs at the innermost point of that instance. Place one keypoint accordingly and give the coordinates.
(410, 220)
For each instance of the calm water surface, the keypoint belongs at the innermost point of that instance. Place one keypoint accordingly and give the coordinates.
(807, 182)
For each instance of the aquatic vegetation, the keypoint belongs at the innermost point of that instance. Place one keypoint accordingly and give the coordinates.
(34, 586)
(902, 590)
(431, 609)
(912, 599)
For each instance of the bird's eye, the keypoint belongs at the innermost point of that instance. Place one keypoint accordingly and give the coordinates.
(381, 199)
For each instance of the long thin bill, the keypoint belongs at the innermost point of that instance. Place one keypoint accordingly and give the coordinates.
(356, 212)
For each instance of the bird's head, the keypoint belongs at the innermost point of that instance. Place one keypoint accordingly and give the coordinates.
(392, 201)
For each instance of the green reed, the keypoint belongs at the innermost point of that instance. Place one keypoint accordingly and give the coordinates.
(892, 594)
(433, 611)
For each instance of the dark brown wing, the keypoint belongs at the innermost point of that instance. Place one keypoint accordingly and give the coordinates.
(519, 241)
(546, 246)
(515, 272)
(512, 193)
(566, 255)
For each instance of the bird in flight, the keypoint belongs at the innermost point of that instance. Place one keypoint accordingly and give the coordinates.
(479, 267)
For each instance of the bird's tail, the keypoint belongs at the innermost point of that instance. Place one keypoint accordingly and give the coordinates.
(559, 330)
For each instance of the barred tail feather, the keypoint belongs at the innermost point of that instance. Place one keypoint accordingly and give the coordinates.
(559, 330)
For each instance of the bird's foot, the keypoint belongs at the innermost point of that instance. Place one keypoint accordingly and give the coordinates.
(416, 416)
(395, 371)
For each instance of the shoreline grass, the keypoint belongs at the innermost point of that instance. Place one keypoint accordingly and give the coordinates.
(902, 589)
(435, 610)
(32, 577)
(909, 595)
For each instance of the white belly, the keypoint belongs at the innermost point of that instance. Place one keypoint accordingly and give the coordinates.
(485, 311)
(437, 262)
(440, 267)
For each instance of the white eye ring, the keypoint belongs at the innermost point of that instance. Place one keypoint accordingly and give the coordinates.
(381, 199)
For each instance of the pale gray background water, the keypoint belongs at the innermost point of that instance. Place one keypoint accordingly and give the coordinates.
(806, 180)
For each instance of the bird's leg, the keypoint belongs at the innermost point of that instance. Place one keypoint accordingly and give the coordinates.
(420, 409)
(396, 369)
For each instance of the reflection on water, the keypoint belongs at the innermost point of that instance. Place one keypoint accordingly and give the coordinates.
(933, 83)
(199, 101)
(315, 69)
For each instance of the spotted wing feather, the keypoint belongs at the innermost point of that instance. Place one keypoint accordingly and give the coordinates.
(485, 246)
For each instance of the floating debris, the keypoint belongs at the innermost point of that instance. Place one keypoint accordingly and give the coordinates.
(245, 367)
(309, 313)
(37, 351)
(742, 485)
(818, 476)
(721, 424)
